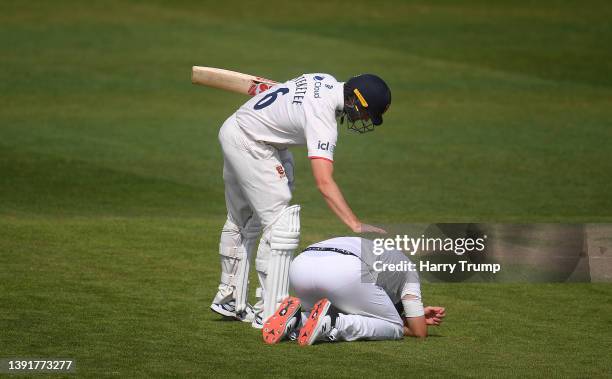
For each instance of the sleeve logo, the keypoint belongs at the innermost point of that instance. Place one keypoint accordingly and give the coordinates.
(326, 146)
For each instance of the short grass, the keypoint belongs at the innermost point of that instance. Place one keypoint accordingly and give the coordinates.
(111, 197)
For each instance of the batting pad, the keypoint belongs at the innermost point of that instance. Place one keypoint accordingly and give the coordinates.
(284, 239)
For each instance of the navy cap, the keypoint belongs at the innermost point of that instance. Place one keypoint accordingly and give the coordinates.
(372, 93)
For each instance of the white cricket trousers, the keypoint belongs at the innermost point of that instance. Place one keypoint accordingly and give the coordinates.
(255, 182)
(366, 310)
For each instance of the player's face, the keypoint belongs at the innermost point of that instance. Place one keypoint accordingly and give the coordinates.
(363, 114)
(356, 113)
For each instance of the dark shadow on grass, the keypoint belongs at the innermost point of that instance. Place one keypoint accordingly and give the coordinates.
(226, 319)
(403, 340)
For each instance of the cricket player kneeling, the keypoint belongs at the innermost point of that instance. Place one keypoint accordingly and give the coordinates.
(348, 298)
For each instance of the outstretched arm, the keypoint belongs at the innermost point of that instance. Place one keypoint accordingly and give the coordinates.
(323, 170)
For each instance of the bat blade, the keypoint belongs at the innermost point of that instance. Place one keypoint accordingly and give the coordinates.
(230, 80)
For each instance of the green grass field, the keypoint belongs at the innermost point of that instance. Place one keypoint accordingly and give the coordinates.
(111, 196)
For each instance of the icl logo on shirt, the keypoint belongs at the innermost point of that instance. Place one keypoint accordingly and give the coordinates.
(326, 146)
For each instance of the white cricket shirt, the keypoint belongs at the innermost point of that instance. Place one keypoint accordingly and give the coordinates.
(301, 111)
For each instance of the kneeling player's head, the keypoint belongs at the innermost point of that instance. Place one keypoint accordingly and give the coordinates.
(366, 98)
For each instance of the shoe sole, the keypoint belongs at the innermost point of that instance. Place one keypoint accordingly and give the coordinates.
(275, 327)
(312, 327)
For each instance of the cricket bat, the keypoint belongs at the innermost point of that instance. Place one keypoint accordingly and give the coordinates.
(230, 80)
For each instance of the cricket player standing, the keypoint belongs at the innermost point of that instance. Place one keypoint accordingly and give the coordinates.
(258, 176)
(352, 294)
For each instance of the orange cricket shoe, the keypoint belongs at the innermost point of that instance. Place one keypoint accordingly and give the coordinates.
(282, 321)
(320, 324)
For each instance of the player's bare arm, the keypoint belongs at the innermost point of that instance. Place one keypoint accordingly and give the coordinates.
(322, 170)
(417, 326)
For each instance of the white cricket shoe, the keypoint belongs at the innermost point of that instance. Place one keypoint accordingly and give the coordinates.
(227, 307)
(257, 321)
